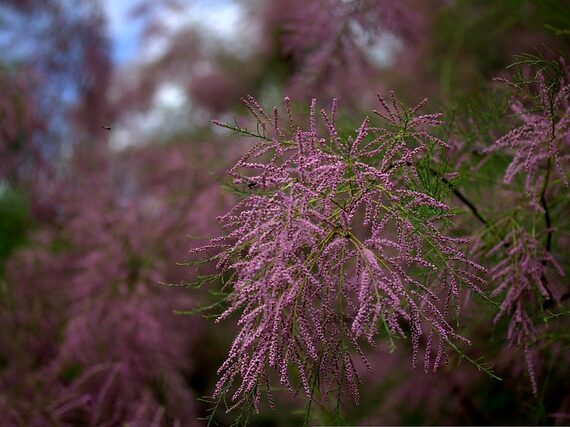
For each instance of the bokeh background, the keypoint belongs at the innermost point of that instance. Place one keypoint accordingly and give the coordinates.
(110, 171)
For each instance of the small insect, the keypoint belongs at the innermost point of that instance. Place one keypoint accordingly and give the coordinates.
(106, 127)
(250, 185)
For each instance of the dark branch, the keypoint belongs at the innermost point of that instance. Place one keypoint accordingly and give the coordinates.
(461, 197)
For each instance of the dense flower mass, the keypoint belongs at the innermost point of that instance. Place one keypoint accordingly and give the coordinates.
(336, 239)
(89, 338)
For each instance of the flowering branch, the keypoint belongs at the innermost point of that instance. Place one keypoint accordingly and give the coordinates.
(335, 238)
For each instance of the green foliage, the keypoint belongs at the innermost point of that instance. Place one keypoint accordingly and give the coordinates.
(71, 372)
(472, 39)
(14, 221)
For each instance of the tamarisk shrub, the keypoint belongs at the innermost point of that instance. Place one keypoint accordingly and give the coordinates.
(335, 240)
(527, 272)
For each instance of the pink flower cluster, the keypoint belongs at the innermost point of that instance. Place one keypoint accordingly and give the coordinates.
(522, 275)
(542, 140)
(335, 241)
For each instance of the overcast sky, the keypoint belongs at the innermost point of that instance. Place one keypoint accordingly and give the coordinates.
(223, 18)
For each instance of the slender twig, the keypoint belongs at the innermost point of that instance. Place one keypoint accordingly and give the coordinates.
(543, 202)
(462, 198)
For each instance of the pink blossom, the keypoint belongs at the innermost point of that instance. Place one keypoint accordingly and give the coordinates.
(326, 247)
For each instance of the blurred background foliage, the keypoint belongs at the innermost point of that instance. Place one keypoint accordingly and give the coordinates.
(110, 170)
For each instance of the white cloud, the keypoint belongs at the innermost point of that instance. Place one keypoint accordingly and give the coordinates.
(382, 50)
(170, 96)
(222, 20)
(168, 113)
(226, 21)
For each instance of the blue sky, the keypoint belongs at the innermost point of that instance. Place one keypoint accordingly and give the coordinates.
(123, 31)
